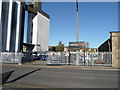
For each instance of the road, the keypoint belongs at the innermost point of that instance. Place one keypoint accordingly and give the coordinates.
(40, 77)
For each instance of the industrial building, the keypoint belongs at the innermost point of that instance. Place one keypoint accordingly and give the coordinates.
(12, 18)
(38, 28)
(12, 24)
(40, 32)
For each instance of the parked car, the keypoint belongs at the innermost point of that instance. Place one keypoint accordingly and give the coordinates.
(43, 57)
(36, 57)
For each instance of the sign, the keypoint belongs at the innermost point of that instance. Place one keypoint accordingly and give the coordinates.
(77, 45)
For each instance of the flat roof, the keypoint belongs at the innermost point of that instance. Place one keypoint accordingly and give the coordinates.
(33, 10)
(115, 32)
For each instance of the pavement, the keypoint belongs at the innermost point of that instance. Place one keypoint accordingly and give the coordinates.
(43, 64)
(30, 75)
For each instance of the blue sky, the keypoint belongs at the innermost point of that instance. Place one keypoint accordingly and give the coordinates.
(96, 20)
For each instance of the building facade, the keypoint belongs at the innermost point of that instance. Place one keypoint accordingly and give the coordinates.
(30, 27)
(115, 37)
(38, 27)
(0, 25)
(12, 22)
(40, 32)
(106, 46)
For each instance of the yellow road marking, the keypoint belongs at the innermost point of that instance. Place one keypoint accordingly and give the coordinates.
(30, 86)
(23, 86)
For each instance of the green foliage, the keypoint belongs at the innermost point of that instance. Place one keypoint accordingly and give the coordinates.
(92, 50)
(60, 47)
(86, 49)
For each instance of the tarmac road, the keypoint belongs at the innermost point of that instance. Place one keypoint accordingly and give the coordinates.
(40, 77)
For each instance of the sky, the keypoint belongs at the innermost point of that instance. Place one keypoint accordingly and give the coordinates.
(96, 20)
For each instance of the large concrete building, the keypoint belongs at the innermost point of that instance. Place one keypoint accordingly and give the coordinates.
(30, 27)
(40, 32)
(12, 24)
(38, 28)
(12, 16)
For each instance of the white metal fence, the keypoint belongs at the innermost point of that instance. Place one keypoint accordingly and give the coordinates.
(90, 59)
(11, 57)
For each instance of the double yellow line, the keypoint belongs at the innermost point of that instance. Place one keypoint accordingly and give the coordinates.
(23, 86)
(30, 86)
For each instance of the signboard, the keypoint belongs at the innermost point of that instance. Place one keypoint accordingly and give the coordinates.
(77, 45)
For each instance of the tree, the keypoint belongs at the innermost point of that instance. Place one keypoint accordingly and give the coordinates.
(92, 50)
(60, 47)
(53, 48)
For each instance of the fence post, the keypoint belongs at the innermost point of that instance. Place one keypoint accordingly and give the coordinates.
(69, 58)
(87, 59)
(20, 58)
(92, 59)
(77, 58)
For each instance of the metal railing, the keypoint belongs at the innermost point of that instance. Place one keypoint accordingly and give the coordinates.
(88, 59)
(11, 57)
